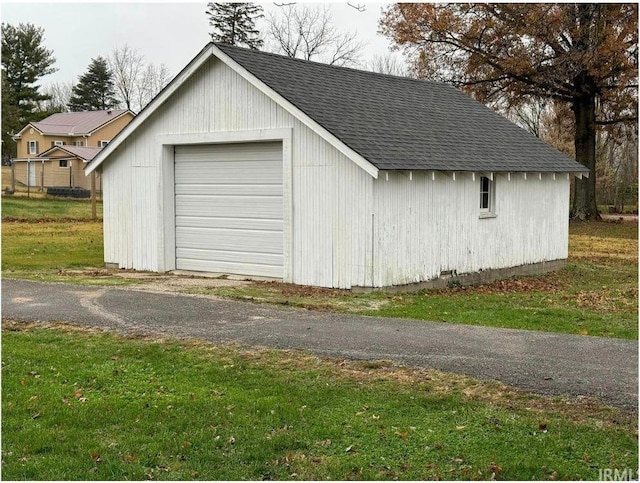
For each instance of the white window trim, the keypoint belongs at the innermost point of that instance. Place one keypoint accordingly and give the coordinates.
(58, 143)
(490, 210)
(102, 143)
(79, 144)
(33, 144)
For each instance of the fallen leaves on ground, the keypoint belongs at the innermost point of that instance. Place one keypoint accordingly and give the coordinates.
(291, 290)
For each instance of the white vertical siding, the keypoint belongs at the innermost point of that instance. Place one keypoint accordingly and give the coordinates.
(131, 207)
(424, 227)
(117, 213)
(332, 201)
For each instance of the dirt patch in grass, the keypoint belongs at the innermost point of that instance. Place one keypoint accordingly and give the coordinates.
(545, 283)
(605, 299)
(291, 290)
(147, 281)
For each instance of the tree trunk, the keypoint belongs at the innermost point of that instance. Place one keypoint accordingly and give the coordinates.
(584, 200)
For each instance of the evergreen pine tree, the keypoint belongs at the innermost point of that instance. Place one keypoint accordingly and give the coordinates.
(234, 23)
(24, 61)
(95, 89)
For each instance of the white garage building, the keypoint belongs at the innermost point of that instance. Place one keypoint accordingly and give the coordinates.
(256, 164)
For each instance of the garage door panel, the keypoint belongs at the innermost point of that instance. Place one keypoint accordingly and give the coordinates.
(229, 256)
(217, 266)
(232, 172)
(269, 207)
(229, 189)
(230, 223)
(258, 151)
(225, 239)
(229, 208)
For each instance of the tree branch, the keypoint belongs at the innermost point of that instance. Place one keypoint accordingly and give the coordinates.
(627, 119)
(361, 7)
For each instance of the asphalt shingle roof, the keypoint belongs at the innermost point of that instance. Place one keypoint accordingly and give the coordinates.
(402, 123)
(76, 123)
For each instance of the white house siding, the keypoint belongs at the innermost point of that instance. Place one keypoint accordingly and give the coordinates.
(425, 227)
(331, 239)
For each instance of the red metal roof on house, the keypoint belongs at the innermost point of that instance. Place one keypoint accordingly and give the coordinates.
(83, 152)
(76, 123)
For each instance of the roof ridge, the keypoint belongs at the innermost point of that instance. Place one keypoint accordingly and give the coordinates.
(339, 67)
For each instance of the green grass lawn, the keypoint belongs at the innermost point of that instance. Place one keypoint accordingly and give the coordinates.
(79, 405)
(51, 246)
(46, 208)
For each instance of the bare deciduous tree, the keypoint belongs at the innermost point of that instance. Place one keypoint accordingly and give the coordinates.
(387, 63)
(153, 80)
(308, 33)
(617, 165)
(136, 81)
(59, 94)
(529, 115)
(127, 65)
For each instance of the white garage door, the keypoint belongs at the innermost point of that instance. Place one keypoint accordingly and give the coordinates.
(229, 208)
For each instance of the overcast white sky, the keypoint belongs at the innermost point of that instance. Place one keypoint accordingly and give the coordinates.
(171, 32)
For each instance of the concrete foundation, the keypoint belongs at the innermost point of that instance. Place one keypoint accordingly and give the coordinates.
(476, 278)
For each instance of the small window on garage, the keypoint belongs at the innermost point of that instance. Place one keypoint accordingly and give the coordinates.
(487, 196)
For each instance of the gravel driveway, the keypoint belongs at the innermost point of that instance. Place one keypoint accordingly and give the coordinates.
(546, 363)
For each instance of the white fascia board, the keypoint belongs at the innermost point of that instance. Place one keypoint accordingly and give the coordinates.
(160, 99)
(293, 110)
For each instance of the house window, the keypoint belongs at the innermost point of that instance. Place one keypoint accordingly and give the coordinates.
(58, 143)
(63, 163)
(78, 143)
(487, 196)
(103, 143)
(33, 147)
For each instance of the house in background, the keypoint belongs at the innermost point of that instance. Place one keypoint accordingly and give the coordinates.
(61, 166)
(257, 164)
(79, 135)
